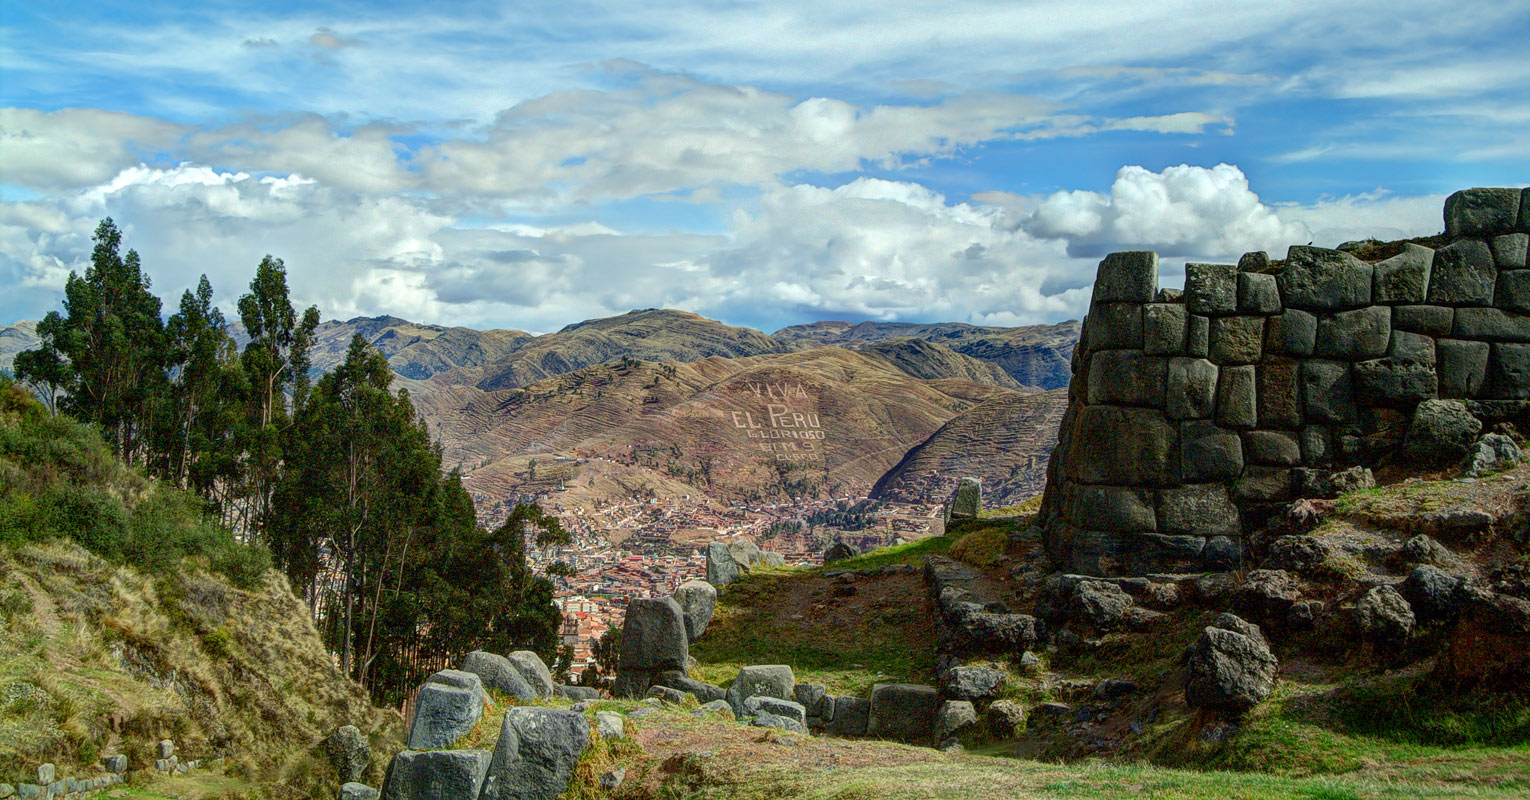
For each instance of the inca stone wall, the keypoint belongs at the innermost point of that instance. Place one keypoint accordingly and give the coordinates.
(1194, 415)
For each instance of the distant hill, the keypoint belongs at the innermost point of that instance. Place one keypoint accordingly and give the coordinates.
(14, 339)
(930, 360)
(1034, 355)
(414, 350)
(1005, 441)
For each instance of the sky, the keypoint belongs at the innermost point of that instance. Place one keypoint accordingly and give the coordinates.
(528, 165)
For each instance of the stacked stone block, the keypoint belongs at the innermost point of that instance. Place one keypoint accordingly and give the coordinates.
(1191, 414)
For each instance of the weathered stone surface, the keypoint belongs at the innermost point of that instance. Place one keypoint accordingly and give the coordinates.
(436, 775)
(1383, 615)
(1441, 431)
(1299, 554)
(1279, 393)
(1111, 508)
(1005, 719)
(1130, 277)
(769, 680)
(1237, 399)
(718, 707)
(967, 500)
(1492, 324)
(666, 694)
(1463, 274)
(496, 672)
(1164, 328)
(610, 725)
(1481, 212)
(840, 551)
(1256, 261)
(1461, 367)
(350, 790)
(1123, 445)
(698, 601)
(775, 706)
(446, 708)
(1200, 509)
(1430, 592)
(1198, 338)
(1126, 377)
(721, 568)
(1211, 288)
(1115, 326)
(1513, 292)
(1098, 603)
(1509, 250)
(1266, 595)
(1403, 278)
(812, 697)
(746, 554)
(1257, 293)
(1317, 445)
(1279, 448)
(348, 752)
(1423, 550)
(704, 692)
(851, 715)
(1292, 333)
(1191, 388)
(1524, 211)
(1487, 644)
(903, 712)
(1237, 340)
(532, 668)
(1395, 383)
(954, 718)
(1229, 671)
(1427, 320)
(972, 683)
(1356, 335)
(535, 756)
(117, 764)
(1509, 372)
(1327, 392)
(1209, 453)
(1489, 454)
(653, 635)
(1324, 280)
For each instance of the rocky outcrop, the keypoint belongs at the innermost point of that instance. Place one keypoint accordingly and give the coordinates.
(446, 708)
(1189, 416)
(534, 671)
(839, 551)
(1230, 667)
(535, 756)
(966, 502)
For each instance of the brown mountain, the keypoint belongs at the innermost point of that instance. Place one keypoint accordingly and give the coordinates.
(1005, 441)
(414, 350)
(14, 339)
(931, 360)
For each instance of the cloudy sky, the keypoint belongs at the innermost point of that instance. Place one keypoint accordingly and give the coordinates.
(532, 164)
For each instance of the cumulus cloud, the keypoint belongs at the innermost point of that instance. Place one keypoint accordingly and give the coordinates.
(74, 148)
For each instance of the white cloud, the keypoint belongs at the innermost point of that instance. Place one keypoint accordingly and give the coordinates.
(1374, 215)
(74, 148)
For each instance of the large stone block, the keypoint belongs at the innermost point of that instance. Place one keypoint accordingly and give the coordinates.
(1115, 326)
(1237, 398)
(903, 712)
(1509, 250)
(496, 672)
(1256, 261)
(1513, 292)
(1491, 324)
(535, 756)
(1463, 274)
(535, 671)
(1110, 508)
(1318, 279)
(1273, 448)
(436, 775)
(1191, 388)
(1462, 367)
(1130, 277)
(1524, 211)
(1211, 288)
(1279, 389)
(1403, 278)
(1317, 445)
(1209, 453)
(1292, 333)
(1126, 377)
(1164, 327)
(1123, 446)
(446, 709)
(1428, 320)
(1201, 510)
(1481, 212)
(1394, 383)
(721, 568)
(1357, 335)
(698, 601)
(767, 680)
(851, 715)
(1257, 293)
(1264, 484)
(1237, 340)
(1327, 392)
(1509, 372)
(653, 635)
(1198, 338)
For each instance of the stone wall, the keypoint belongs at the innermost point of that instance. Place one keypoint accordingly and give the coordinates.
(1194, 415)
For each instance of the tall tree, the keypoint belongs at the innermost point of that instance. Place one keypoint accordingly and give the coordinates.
(205, 391)
(45, 368)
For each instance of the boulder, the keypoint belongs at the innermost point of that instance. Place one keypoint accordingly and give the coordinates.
(436, 775)
(1130, 277)
(765, 719)
(668, 695)
(1257, 293)
(1440, 431)
(954, 718)
(1098, 603)
(1236, 340)
(653, 641)
(1489, 454)
(1403, 278)
(1237, 397)
(1384, 616)
(718, 707)
(536, 753)
(975, 684)
(351, 790)
(1490, 643)
(1430, 592)
(1481, 212)
(1005, 719)
(1237, 624)
(1292, 333)
(1356, 335)
(851, 716)
(610, 725)
(612, 779)
(1299, 554)
(1229, 671)
(1164, 326)
(1513, 291)
(698, 601)
(704, 692)
(1327, 393)
(497, 673)
(578, 693)
(839, 551)
(1266, 595)
(746, 554)
(721, 568)
(349, 753)
(1209, 453)
(1423, 550)
(967, 500)
(446, 708)
(534, 671)
(1463, 274)
(1211, 288)
(1190, 388)
(771, 680)
(1200, 509)
(1112, 326)
(790, 709)
(1112, 689)
(904, 712)
(1324, 280)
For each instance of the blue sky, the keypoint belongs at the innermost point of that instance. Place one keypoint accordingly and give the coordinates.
(528, 165)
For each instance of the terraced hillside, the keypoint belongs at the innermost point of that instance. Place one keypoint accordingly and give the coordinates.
(931, 360)
(1034, 355)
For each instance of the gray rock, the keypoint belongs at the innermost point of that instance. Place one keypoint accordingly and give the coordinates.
(1237, 398)
(999, 633)
(1191, 388)
(1383, 615)
(1279, 393)
(1427, 320)
(117, 764)
(954, 718)
(1394, 383)
(166, 749)
(357, 791)
(1490, 454)
(497, 673)
(1098, 603)
(1303, 615)
(904, 712)
(1509, 372)
(1403, 278)
(811, 697)
(839, 551)
(1125, 377)
(46, 774)
(446, 710)
(1491, 324)
(972, 683)
(1198, 338)
(578, 693)
(1423, 550)
(1130, 276)
(1481, 212)
(1211, 288)
(1124, 445)
(1257, 293)
(653, 636)
(610, 725)
(642, 713)
(1237, 340)
(1266, 595)
(534, 671)
(1256, 261)
(1300, 554)
(1236, 624)
(1463, 275)
(1209, 453)
(1356, 335)
(1005, 719)
(348, 753)
(1229, 671)
(1217, 732)
(721, 568)
(765, 719)
(1513, 292)
(1430, 592)
(1324, 280)
(1351, 480)
(698, 601)
(535, 756)
(612, 779)
(1222, 553)
(1462, 367)
(1292, 333)
(1114, 326)
(1441, 430)
(1509, 250)
(967, 500)
(746, 554)
(704, 692)
(1164, 328)
(668, 695)
(1327, 391)
(1273, 447)
(790, 709)
(1111, 508)
(1200, 509)
(851, 716)
(436, 775)
(770, 680)
(1317, 444)
(772, 559)
(718, 707)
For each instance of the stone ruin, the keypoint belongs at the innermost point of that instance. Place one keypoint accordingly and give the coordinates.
(1195, 415)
